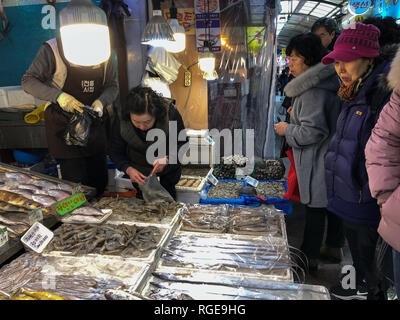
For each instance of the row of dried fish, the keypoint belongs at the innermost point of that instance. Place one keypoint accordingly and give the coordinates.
(212, 286)
(264, 220)
(189, 182)
(137, 210)
(225, 190)
(108, 239)
(196, 251)
(23, 178)
(16, 223)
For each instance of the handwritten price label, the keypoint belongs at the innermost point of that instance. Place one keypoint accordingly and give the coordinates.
(37, 237)
(70, 204)
(3, 236)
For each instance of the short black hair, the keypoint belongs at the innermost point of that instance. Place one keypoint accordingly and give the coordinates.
(328, 23)
(141, 100)
(390, 30)
(309, 46)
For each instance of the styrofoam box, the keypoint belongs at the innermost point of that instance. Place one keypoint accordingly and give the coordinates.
(16, 96)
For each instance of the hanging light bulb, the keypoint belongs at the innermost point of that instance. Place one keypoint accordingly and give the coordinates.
(157, 33)
(179, 35)
(207, 65)
(179, 32)
(84, 33)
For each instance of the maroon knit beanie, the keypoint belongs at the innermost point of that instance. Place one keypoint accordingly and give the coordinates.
(359, 40)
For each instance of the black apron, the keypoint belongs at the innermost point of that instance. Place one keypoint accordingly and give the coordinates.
(85, 84)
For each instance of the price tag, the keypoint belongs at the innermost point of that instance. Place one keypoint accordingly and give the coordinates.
(35, 216)
(212, 179)
(77, 188)
(37, 237)
(3, 236)
(70, 204)
(251, 181)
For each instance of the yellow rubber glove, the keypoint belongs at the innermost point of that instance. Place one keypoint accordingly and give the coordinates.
(98, 107)
(68, 103)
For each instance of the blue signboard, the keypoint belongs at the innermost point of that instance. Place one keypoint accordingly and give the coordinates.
(31, 22)
(387, 8)
(358, 7)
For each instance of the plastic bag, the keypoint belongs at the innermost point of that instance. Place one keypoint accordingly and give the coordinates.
(78, 129)
(153, 191)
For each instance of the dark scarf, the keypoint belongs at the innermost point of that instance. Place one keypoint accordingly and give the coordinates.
(348, 93)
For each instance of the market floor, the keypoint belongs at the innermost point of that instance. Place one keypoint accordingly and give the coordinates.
(328, 274)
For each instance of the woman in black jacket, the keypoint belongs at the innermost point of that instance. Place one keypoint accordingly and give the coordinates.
(143, 112)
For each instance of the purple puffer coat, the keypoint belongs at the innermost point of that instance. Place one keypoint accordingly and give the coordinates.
(383, 161)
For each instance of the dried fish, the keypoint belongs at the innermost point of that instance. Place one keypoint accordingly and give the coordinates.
(19, 176)
(201, 285)
(136, 210)
(30, 187)
(7, 207)
(106, 239)
(87, 211)
(64, 187)
(44, 184)
(44, 200)
(18, 200)
(59, 194)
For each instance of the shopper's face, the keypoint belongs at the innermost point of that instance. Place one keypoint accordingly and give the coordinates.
(296, 64)
(349, 72)
(325, 36)
(143, 122)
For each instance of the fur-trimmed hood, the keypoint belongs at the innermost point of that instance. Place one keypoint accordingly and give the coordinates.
(393, 76)
(318, 76)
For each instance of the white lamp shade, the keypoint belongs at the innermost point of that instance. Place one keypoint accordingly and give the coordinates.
(84, 33)
(86, 44)
(179, 35)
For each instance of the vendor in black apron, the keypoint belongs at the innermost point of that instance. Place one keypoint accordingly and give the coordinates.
(143, 111)
(68, 88)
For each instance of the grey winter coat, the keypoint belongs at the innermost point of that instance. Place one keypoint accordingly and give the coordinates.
(316, 107)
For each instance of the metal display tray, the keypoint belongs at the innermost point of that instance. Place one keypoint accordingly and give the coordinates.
(171, 221)
(287, 276)
(131, 275)
(150, 258)
(248, 236)
(308, 292)
(70, 218)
